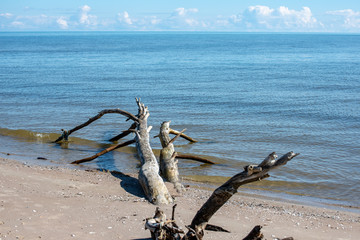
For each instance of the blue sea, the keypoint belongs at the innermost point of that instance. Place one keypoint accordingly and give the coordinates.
(241, 95)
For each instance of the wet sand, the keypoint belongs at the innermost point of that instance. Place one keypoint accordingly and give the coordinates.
(44, 202)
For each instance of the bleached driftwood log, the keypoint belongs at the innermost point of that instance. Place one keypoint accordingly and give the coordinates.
(149, 178)
(153, 185)
(168, 164)
(220, 196)
(168, 156)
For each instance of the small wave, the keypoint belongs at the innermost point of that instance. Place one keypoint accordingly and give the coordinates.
(31, 136)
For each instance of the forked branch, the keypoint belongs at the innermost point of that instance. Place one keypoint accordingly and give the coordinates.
(183, 135)
(99, 115)
(219, 197)
(149, 178)
(222, 194)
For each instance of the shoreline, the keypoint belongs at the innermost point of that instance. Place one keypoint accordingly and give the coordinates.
(52, 202)
(325, 193)
(278, 196)
(250, 190)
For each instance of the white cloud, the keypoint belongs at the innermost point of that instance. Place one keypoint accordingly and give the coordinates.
(261, 10)
(85, 18)
(6, 15)
(191, 22)
(17, 24)
(85, 8)
(183, 19)
(125, 18)
(6, 20)
(154, 20)
(348, 17)
(254, 18)
(38, 22)
(62, 22)
(184, 11)
(301, 18)
(82, 20)
(264, 18)
(179, 19)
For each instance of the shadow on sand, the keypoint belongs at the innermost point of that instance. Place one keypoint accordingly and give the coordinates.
(128, 183)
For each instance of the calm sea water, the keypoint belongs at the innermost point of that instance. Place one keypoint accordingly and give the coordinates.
(241, 95)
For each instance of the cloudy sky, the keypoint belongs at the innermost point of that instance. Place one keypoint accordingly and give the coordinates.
(341, 16)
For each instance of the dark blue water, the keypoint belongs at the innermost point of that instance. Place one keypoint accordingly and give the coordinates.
(241, 95)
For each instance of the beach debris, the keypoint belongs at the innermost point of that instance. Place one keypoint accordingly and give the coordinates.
(149, 175)
(168, 155)
(149, 178)
(41, 158)
(160, 228)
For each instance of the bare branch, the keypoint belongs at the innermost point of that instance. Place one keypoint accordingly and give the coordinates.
(215, 228)
(88, 159)
(195, 158)
(222, 194)
(99, 115)
(124, 133)
(174, 132)
(64, 135)
(177, 135)
(255, 234)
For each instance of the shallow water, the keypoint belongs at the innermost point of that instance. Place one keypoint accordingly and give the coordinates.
(241, 95)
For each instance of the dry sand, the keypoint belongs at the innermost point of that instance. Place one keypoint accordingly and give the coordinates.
(38, 202)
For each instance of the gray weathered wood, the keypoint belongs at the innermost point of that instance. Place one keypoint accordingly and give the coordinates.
(109, 149)
(195, 158)
(174, 132)
(149, 178)
(168, 164)
(222, 194)
(162, 229)
(66, 134)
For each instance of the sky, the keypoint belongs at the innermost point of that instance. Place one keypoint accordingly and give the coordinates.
(339, 16)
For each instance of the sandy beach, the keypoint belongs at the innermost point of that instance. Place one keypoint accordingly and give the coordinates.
(38, 202)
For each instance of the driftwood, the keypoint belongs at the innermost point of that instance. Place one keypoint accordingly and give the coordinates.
(174, 132)
(149, 178)
(222, 194)
(124, 133)
(66, 134)
(109, 149)
(168, 162)
(195, 158)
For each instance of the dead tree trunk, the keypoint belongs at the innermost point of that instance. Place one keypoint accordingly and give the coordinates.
(219, 197)
(149, 178)
(168, 164)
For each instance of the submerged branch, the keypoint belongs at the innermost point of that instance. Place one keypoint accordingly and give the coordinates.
(124, 133)
(174, 132)
(195, 158)
(99, 115)
(88, 159)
